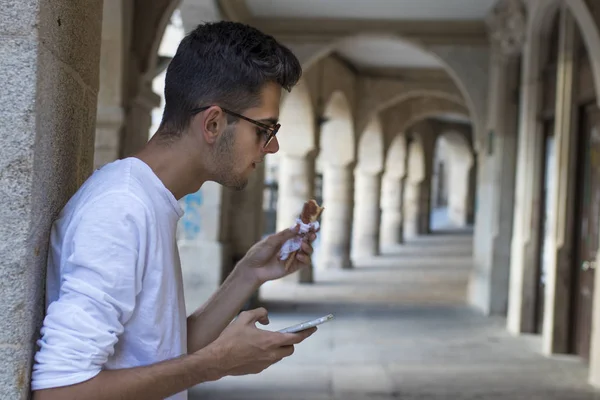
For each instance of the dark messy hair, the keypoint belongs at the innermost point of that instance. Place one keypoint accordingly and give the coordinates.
(227, 64)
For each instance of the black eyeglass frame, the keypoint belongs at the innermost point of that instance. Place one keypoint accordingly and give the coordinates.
(271, 129)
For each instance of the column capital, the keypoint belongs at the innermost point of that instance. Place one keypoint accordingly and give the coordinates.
(507, 26)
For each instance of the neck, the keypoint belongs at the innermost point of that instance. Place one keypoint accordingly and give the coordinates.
(175, 164)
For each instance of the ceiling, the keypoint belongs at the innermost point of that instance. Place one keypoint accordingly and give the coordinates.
(432, 17)
(372, 9)
(382, 52)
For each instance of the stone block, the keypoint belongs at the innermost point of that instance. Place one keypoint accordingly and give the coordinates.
(18, 71)
(87, 138)
(63, 115)
(15, 366)
(15, 305)
(69, 30)
(18, 17)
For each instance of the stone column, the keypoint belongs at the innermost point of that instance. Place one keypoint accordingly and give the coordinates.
(110, 118)
(296, 186)
(392, 193)
(489, 282)
(557, 311)
(416, 209)
(367, 214)
(49, 57)
(488, 286)
(524, 243)
(337, 217)
(139, 118)
(246, 220)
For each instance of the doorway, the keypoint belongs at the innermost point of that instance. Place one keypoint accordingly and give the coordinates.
(587, 229)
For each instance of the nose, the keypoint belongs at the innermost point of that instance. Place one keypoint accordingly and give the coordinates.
(272, 147)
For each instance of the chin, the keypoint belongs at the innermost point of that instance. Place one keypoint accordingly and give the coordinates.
(237, 185)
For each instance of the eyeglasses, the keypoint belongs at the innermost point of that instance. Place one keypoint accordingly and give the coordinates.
(271, 130)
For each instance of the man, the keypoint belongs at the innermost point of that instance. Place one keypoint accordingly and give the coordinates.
(116, 324)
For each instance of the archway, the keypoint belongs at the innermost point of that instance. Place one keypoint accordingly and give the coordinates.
(367, 192)
(337, 133)
(467, 68)
(451, 181)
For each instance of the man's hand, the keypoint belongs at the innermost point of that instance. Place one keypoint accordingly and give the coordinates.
(262, 260)
(244, 349)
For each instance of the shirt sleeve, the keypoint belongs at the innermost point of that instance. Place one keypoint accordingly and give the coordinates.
(101, 275)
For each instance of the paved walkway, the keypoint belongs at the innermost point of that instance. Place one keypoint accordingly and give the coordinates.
(402, 331)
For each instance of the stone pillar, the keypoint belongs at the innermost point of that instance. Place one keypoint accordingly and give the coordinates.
(392, 193)
(296, 186)
(367, 214)
(110, 118)
(50, 53)
(524, 243)
(139, 118)
(557, 312)
(416, 209)
(489, 281)
(472, 190)
(203, 239)
(337, 217)
(246, 219)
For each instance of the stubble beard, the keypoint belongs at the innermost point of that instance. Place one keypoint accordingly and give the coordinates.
(224, 160)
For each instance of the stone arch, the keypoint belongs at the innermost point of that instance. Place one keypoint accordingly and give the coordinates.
(338, 132)
(473, 95)
(378, 95)
(160, 19)
(370, 148)
(458, 160)
(297, 134)
(395, 157)
(407, 113)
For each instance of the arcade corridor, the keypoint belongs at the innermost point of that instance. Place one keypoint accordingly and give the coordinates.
(402, 331)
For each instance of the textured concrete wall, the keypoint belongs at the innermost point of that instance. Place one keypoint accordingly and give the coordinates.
(49, 55)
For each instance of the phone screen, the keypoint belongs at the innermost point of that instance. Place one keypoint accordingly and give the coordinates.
(306, 325)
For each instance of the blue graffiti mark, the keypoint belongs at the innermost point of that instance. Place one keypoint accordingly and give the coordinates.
(191, 221)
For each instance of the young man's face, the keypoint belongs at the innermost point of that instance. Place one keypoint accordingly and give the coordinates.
(242, 148)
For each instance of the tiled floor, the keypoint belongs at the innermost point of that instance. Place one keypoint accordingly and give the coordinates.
(402, 331)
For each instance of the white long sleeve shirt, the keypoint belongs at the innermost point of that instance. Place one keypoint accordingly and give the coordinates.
(114, 287)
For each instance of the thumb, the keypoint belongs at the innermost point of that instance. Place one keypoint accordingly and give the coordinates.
(280, 238)
(252, 316)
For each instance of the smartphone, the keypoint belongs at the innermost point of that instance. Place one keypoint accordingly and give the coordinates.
(307, 324)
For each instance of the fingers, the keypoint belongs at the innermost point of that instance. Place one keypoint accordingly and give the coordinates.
(285, 351)
(306, 248)
(253, 316)
(299, 337)
(307, 251)
(280, 238)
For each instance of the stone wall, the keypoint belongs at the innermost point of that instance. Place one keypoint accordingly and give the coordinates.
(49, 54)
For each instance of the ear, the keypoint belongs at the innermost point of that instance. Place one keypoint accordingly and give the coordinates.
(212, 123)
